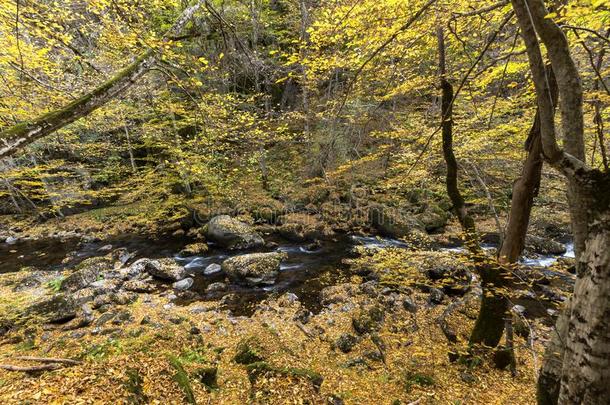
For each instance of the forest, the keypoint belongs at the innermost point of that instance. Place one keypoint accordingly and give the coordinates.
(305, 202)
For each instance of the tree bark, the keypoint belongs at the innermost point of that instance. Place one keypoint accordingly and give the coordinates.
(585, 375)
(576, 368)
(20, 135)
(489, 326)
(525, 189)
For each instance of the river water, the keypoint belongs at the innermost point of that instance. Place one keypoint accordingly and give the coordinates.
(305, 272)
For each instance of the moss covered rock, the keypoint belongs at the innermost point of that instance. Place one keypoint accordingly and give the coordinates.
(368, 319)
(433, 217)
(57, 308)
(303, 227)
(249, 350)
(232, 234)
(83, 277)
(254, 269)
(165, 269)
(394, 222)
(194, 249)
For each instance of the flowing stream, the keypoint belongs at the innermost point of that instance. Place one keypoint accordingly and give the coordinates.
(305, 272)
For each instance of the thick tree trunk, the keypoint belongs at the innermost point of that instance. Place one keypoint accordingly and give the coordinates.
(20, 135)
(585, 377)
(524, 190)
(576, 368)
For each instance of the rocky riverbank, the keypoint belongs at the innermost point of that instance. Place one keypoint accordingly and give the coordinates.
(324, 319)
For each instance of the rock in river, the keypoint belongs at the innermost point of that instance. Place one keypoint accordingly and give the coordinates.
(544, 246)
(255, 268)
(194, 249)
(303, 227)
(212, 269)
(232, 234)
(165, 269)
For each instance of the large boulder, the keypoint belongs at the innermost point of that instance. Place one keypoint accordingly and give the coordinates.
(254, 269)
(393, 222)
(433, 217)
(544, 246)
(86, 273)
(56, 308)
(232, 234)
(80, 279)
(303, 227)
(165, 269)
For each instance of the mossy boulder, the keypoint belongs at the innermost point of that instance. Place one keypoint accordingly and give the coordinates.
(254, 269)
(99, 263)
(433, 217)
(194, 249)
(394, 222)
(83, 277)
(303, 227)
(86, 273)
(165, 269)
(54, 309)
(232, 234)
(267, 211)
(346, 342)
(544, 246)
(368, 319)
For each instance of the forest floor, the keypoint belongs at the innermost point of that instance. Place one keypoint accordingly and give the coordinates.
(372, 339)
(139, 359)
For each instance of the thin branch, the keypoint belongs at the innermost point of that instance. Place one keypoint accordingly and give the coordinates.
(49, 360)
(387, 42)
(493, 107)
(597, 34)
(462, 83)
(29, 369)
(600, 79)
(480, 11)
(38, 81)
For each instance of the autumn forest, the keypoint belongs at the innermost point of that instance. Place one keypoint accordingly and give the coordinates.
(305, 202)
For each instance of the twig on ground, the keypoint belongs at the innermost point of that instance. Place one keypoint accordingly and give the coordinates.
(49, 360)
(44, 367)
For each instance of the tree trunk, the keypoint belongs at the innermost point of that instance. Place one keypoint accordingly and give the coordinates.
(489, 326)
(304, 77)
(576, 368)
(20, 135)
(524, 190)
(585, 376)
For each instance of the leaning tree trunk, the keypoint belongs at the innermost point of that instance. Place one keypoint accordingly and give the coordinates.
(489, 326)
(20, 135)
(524, 190)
